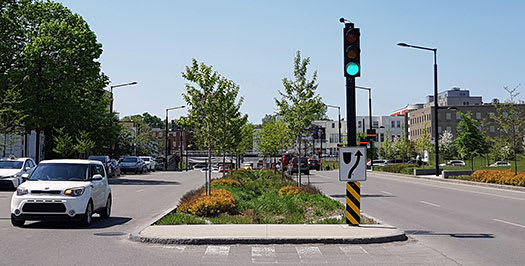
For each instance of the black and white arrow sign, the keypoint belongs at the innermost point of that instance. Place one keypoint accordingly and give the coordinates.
(351, 166)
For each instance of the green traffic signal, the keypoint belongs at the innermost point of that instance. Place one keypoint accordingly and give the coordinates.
(352, 69)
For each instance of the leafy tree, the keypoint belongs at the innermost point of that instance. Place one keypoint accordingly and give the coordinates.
(64, 145)
(447, 146)
(84, 145)
(10, 115)
(268, 118)
(143, 138)
(510, 121)
(470, 141)
(51, 56)
(275, 137)
(387, 151)
(299, 105)
(423, 143)
(153, 121)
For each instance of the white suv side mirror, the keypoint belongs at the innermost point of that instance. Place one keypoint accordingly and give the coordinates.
(25, 176)
(97, 178)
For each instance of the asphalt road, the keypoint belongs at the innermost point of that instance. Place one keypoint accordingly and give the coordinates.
(471, 225)
(139, 198)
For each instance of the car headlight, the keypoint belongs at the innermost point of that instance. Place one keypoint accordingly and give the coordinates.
(21, 191)
(75, 192)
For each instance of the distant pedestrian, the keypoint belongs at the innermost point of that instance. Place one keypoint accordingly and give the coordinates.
(418, 159)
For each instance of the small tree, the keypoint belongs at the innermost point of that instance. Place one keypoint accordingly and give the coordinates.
(404, 147)
(447, 146)
(84, 145)
(470, 141)
(63, 144)
(387, 150)
(423, 143)
(275, 137)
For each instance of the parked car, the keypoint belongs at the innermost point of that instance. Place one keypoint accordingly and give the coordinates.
(376, 163)
(132, 164)
(224, 169)
(13, 170)
(150, 163)
(64, 189)
(314, 164)
(199, 166)
(395, 161)
(453, 163)
(500, 164)
(247, 166)
(294, 166)
(104, 159)
(115, 166)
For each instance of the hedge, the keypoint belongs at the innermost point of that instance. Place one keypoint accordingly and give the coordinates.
(503, 177)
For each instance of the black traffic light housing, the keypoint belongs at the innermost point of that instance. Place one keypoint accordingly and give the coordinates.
(371, 134)
(351, 51)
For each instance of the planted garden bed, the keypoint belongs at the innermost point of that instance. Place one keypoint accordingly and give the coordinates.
(256, 197)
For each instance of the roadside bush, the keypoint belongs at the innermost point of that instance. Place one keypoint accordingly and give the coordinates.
(191, 195)
(289, 190)
(220, 201)
(179, 218)
(227, 182)
(504, 177)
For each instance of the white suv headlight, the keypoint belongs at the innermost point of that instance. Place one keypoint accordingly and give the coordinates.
(75, 192)
(21, 191)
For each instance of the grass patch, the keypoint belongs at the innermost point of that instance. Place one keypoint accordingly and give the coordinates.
(179, 218)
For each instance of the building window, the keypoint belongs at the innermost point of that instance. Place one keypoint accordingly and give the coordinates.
(382, 137)
(439, 129)
(492, 129)
(458, 116)
(392, 124)
(398, 124)
(334, 138)
(449, 129)
(448, 116)
(333, 125)
(491, 115)
(359, 124)
(478, 116)
(375, 124)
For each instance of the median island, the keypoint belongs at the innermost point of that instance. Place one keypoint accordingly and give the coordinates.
(256, 197)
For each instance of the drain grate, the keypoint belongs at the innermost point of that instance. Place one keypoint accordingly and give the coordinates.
(110, 234)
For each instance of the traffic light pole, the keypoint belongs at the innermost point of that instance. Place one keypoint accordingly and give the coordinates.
(351, 142)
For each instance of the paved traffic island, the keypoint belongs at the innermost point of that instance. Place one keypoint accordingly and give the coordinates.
(268, 234)
(260, 207)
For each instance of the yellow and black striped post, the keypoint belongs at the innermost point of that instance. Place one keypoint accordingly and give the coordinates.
(353, 203)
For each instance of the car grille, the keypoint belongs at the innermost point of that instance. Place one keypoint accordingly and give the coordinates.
(44, 207)
(52, 192)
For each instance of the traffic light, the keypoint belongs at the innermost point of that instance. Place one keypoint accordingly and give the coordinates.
(352, 52)
(363, 141)
(319, 152)
(371, 134)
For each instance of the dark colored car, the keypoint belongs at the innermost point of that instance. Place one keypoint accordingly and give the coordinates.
(314, 164)
(115, 166)
(294, 166)
(132, 164)
(104, 159)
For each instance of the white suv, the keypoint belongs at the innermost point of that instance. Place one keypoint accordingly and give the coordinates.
(149, 162)
(71, 189)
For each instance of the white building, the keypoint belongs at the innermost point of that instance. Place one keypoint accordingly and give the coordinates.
(386, 127)
(21, 145)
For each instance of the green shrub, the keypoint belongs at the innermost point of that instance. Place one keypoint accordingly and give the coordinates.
(220, 201)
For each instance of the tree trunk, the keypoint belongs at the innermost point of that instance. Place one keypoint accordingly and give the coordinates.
(299, 163)
(208, 183)
(223, 162)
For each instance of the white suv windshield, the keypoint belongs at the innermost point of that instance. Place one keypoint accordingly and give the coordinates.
(10, 165)
(60, 172)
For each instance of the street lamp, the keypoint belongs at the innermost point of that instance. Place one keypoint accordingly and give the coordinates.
(167, 132)
(436, 138)
(116, 86)
(370, 120)
(339, 119)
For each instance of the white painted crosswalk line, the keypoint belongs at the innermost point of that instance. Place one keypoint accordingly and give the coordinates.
(264, 255)
(217, 251)
(308, 254)
(177, 248)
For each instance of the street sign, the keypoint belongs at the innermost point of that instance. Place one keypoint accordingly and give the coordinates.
(352, 164)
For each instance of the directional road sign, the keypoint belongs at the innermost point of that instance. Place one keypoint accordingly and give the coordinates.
(352, 164)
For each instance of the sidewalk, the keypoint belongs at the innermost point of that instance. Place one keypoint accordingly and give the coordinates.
(268, 234)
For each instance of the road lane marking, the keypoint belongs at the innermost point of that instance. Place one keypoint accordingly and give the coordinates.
(427, 183)
(217, 251)
(386, 192)
(309, 252)
(264, 255)
(364, 250)
(140, 190)
(505, 222)
(431, 204)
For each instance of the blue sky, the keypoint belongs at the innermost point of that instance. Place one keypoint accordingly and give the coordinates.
(480, 48)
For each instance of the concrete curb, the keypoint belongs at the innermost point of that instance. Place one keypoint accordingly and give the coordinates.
(465, 182)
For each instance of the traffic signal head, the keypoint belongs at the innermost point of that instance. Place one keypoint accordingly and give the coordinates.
(352, 52)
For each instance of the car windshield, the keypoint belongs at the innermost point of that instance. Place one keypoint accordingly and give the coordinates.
(10, 165)
(60, 172)
(98, 158)
(129, 160)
